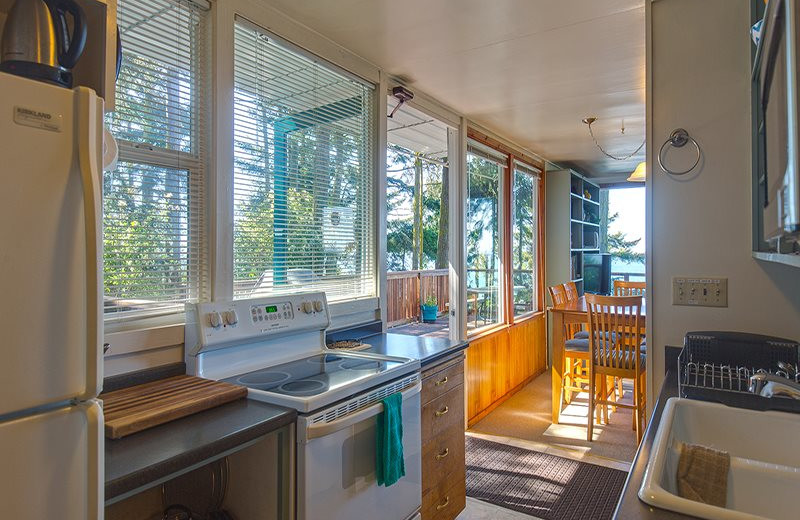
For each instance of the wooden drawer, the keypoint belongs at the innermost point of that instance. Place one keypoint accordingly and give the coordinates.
(443, 412)
(447, 499)
(441, 456)
(438, 382)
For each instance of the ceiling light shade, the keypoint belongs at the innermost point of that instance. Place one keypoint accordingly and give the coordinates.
(639, 174)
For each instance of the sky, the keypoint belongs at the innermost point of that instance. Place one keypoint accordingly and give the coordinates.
(629, 203)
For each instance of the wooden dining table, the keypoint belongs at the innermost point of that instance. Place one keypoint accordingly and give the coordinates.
(563, 314)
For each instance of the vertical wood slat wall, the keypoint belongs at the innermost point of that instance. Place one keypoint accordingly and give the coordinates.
(500, 363)
(406, 290)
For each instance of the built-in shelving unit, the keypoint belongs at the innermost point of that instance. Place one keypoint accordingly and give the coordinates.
(573, 225)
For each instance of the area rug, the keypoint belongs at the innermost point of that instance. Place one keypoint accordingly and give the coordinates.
(541, 485)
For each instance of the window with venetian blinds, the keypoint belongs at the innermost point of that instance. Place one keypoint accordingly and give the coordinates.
(303, 173)
(154, 231)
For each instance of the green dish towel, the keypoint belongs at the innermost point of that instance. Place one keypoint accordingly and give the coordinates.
(389, 464)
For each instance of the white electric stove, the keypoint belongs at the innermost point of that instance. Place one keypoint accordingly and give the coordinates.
(275, 346)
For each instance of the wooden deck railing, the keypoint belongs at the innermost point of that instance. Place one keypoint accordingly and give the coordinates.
(406, 290)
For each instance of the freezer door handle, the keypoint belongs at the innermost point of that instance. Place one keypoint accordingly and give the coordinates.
(322, 429)
(90, 131)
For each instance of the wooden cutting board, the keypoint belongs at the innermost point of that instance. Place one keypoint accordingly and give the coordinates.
(139, 407)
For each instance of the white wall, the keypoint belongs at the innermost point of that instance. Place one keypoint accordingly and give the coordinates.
(700, 224)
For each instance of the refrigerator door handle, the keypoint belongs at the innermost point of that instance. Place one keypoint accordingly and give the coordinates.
(90, 132)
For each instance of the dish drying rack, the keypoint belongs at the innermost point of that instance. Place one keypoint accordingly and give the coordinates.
(717, 366)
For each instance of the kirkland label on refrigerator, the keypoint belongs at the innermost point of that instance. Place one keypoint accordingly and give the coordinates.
(37, 119)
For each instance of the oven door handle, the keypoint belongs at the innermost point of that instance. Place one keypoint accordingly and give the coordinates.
(322, 429)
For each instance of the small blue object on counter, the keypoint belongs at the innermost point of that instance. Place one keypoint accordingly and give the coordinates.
(389, 464)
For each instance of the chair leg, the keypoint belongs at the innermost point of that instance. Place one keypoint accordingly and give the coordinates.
(568, 380)
(590, 428)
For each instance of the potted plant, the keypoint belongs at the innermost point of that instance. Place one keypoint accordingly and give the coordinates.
(430, 309)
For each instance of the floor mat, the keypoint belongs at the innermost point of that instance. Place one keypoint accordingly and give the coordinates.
(539, 484)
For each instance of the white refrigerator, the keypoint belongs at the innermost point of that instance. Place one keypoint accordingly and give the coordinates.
(51, 331)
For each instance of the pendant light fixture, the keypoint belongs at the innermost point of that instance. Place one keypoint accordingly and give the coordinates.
(589, 120)
(639, 174)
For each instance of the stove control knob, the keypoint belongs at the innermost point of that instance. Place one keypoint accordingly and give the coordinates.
(308, 308)
(231, 318)
(214, 319)
(318, 305)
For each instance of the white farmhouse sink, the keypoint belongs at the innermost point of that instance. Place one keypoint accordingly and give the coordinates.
(764, 478)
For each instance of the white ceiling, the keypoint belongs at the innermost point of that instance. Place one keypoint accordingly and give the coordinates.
(529, 70)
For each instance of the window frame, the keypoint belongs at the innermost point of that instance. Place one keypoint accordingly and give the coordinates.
(156, 336)
(489, 153)
(537, 175)
(195, 164)
(513, 156)
(371, 250)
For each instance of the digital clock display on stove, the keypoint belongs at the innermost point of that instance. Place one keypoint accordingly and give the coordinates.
(271, 308)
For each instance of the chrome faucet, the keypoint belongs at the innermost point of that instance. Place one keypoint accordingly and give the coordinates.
(770, 385)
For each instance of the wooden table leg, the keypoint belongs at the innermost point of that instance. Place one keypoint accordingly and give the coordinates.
(558, 362)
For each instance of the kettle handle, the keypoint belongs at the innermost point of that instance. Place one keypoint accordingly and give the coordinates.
(70, 49)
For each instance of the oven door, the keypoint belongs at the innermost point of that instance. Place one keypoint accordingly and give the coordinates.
(336, 467)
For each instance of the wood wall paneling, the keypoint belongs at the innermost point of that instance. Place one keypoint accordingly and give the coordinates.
(500, 363)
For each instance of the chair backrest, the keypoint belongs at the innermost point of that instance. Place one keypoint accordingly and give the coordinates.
(572, 291)
(615, 330)
(625, 288)
(557, 294)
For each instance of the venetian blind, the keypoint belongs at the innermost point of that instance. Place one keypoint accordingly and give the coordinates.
(303, 173)
(154, 230)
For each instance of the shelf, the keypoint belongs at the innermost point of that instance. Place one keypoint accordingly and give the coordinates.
(576, 221)
(576, 280)
(585, 249)
(584, 198)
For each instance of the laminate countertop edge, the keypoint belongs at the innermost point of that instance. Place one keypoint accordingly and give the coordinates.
(135, 462)
(630, 506)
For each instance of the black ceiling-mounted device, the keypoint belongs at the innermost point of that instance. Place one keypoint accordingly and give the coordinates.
(403, 95)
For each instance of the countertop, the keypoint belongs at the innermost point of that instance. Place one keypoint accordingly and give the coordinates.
(629, 506)
(426, 349)
(140, 459)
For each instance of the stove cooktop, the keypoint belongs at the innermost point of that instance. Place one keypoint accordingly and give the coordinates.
(309, 383)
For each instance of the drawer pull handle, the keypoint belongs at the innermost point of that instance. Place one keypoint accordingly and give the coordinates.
(442, 411)
(445, 453)
(441, 381)
(443, 505)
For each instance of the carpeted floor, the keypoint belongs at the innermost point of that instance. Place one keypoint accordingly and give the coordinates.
(542, 485)
(526, 416)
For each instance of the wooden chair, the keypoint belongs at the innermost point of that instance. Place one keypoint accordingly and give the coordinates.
(576, 351)
(572, 290)
(615, 332)
(625, 288)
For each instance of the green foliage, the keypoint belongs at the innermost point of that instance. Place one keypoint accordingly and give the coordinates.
(400, 211)
(431, 301)
(620, 246)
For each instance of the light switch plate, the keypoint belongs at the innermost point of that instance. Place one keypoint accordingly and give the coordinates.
(700, 292)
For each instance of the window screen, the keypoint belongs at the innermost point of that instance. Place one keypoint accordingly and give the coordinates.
(154, 233)
(303, 173)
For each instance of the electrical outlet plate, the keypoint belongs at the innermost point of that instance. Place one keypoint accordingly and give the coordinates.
(700, 292)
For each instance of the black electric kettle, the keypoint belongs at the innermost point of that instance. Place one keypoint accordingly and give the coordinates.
(38, 43)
